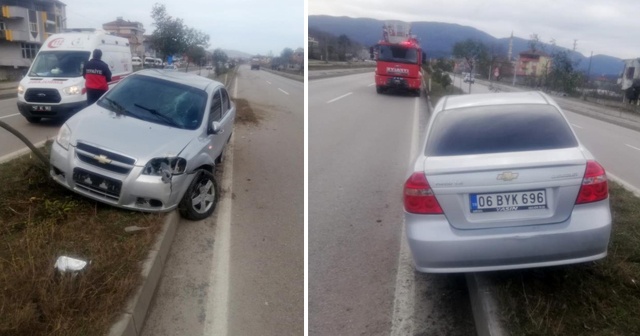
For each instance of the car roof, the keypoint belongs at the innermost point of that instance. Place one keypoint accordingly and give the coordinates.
(500, 98)
(185, 78)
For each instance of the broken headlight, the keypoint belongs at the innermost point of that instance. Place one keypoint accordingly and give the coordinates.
(165, 167)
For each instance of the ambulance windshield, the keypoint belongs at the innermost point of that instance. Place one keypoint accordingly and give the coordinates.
(59, 64)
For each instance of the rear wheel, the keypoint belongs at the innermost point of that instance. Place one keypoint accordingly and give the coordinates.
(199, 201)
(33, 120)
(379, 89)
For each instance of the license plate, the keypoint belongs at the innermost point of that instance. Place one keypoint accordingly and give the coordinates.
(508, 201)
(105, 184)
(40, 108)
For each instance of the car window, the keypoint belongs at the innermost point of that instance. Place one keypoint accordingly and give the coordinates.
(225, 101)
(499, 129)
(215, 113)
(157, 100)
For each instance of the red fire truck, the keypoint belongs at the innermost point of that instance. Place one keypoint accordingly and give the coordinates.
(398, 59)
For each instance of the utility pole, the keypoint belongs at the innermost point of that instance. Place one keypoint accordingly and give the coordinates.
(589, 68)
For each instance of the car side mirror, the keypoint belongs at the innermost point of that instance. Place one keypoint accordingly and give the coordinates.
(216, 127)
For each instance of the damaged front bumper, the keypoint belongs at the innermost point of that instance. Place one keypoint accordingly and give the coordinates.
(132, 190)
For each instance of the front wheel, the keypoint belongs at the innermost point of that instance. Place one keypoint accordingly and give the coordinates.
(200, 199)
(379, 89)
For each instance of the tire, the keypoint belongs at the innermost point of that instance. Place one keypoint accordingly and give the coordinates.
(379, 89)
(193, 206)
(33, 120)
(418, 92)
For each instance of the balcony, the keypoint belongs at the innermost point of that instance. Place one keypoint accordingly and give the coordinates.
(14, 12)
(14, 35)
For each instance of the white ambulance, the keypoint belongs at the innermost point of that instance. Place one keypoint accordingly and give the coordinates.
(54, 86)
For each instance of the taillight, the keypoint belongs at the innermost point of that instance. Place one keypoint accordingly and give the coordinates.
(594, 184)
(418, 196)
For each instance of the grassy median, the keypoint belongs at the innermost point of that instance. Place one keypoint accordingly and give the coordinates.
(40, 221)
(598, 298)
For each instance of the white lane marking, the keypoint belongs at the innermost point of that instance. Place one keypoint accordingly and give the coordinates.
(576, 126)
(218, 298)
(344, 95)
(235, 87)
(403, 305)
(269, 82)
(636, 148)
(285, 92)
(11, 115)
(372, 84)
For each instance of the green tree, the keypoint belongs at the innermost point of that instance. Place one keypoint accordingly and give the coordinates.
(563, 76)
(472, 51)
(196, 54)
(343, 44)
(285, 55)
(219, 59)
(173, 37)
(169, 37)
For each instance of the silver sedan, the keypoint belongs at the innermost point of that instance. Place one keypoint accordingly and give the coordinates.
(503, 183)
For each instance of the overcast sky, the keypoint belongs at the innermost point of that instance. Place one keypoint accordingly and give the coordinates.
(251, 26)
(605, 27)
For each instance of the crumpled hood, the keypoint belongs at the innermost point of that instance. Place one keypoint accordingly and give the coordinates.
(142, 140)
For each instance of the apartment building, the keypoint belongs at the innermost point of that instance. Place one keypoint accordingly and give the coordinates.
(24, 26)
(134, 31)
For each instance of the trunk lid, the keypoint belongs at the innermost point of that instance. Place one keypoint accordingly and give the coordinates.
(507, 189)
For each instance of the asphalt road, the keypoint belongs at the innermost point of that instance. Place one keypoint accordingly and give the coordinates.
(263, 291)
(617, 148)
(34, 132)
(360, 279)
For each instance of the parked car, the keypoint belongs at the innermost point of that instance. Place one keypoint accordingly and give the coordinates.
(151, 144)
(503, 183)
(469, 79)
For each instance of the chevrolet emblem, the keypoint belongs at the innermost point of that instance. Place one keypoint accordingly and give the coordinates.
(102, 159)
(507, 176)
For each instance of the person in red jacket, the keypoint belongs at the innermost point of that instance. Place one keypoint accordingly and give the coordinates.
(97, 76)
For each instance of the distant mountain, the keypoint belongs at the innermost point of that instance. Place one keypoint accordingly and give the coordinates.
(438, 38)
(236, 54)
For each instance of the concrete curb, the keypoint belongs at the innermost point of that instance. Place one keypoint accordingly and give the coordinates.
(134, 315)
(484, 307)
(21, 152)
(298, 78)
(8, 95)
(333, 73)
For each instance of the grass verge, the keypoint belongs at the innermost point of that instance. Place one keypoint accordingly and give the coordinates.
(598, 298)
(41, 220)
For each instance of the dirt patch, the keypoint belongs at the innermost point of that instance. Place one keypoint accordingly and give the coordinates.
(41, 220)
(244, 113)
(598, 298)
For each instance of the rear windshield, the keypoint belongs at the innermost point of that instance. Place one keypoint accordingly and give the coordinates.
(499, 129)
(397, 54)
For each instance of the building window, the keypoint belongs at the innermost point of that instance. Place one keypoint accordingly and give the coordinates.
(2, 26)
(29, 50)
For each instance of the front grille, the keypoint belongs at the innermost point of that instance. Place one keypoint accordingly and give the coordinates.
(42, 96)
(104, 159)
(99, 185)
